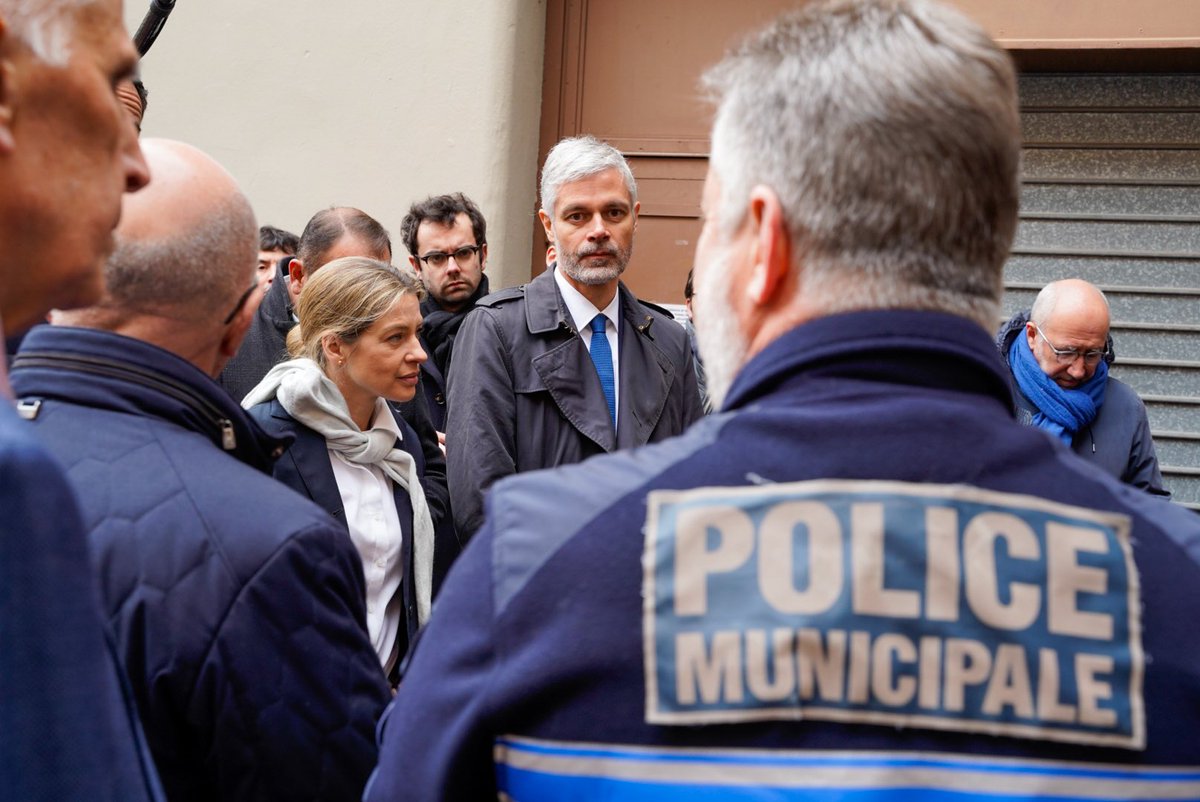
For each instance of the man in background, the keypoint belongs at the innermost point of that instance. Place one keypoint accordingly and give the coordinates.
(446, 238)
(1058, 354)
(862, 578)
(68, 151)
(274, 245)
(330, 234)
(570, 364)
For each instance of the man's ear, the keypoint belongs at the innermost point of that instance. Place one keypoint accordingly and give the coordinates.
(637, 207)
(1031, 333)
(7, 90)
(296, 273)
(547, 224)
(483, 257)
(415, 264)
(772, 255)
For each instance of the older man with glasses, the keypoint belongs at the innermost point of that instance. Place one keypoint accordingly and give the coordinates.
(1061, 382)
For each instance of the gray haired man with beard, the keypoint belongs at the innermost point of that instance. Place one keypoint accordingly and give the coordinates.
(570, 364)
(862, 578)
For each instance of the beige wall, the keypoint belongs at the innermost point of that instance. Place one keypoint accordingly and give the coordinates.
(372, 104)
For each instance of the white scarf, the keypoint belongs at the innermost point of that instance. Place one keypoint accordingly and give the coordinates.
(313, 399)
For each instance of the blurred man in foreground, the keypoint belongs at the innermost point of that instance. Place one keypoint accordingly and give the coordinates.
(861, 577)
(68, 151)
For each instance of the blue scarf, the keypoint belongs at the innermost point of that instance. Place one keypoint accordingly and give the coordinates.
(1060, 412)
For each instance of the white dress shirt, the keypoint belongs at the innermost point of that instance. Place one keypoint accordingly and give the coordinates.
(582, 311)
(375, 531)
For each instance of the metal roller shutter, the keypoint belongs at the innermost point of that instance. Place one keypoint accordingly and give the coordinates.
(1111, 194)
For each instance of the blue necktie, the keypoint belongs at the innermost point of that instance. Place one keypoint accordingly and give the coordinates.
(602, 358)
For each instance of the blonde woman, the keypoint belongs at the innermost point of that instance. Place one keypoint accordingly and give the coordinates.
(356, 348)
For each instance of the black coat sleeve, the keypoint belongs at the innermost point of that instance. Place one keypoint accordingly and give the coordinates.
(416, 414)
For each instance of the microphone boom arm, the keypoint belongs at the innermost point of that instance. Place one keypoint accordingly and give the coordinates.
(152, 25)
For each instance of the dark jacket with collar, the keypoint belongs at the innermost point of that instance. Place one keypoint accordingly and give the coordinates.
(862, 454)
(68, 725)
(1118, 441)
(265, 346)
(305, 468)
(524, 393)
(237, 604)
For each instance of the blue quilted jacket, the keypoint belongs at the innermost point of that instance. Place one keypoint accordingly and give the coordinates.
(60, 686)
(861, 580)
(237, 604)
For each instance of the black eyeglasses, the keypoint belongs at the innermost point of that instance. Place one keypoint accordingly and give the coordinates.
(463, 256)
(241, 302)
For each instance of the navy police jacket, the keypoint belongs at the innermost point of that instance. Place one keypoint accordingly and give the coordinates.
(237, 604)
(861, 579)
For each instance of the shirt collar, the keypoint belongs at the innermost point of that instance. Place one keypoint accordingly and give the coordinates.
(581, 309)
(383, 419)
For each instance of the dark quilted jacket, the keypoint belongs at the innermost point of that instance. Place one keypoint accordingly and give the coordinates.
(237, 604)
(60, 684)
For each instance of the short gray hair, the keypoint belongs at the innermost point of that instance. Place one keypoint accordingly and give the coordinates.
(197, 273)
(889, 131)
(579, 157)
(45, 26)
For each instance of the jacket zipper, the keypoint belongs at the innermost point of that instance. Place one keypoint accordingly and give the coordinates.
(103, 367)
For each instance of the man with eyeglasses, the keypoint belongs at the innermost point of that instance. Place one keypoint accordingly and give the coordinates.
(1058, 354)
(237, 606)
(446, 237)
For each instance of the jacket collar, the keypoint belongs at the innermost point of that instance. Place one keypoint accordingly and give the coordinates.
(276, 307)
(545, 310)
(103, 370)
(901, 347)
(568, 375)
(310, 454)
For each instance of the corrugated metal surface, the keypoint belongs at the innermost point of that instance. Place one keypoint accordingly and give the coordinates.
(1111, 194)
